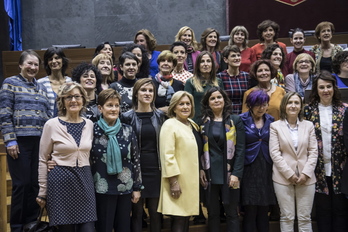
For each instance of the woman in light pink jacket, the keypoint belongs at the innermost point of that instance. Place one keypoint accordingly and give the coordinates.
(293, 149)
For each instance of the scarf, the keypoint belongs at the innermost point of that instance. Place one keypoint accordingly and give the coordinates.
(113, 153)
(302, 86)
(165, 88)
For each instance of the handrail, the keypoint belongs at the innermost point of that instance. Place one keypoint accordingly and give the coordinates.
(3, 188)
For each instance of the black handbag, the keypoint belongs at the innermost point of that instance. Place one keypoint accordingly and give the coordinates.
(39, 226)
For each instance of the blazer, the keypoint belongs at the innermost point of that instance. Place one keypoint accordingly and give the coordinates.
(338, 152)
(286, 160)
(255, 140)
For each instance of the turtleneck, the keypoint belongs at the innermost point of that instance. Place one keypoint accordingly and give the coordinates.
(127, 82)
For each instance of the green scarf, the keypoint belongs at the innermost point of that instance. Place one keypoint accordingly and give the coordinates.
(113, 153)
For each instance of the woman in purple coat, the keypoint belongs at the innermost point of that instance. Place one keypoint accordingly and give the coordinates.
(257, 191)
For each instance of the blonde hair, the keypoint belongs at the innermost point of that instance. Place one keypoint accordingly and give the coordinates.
(98, 58)
(194, 43)
(175, 101)
(63, 92)
(301, 56)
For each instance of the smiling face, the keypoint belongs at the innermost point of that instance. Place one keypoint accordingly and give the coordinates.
(104, 67)
(145, 94)
(263, 73)
(239, 38)
(211, 40)
(268, 34)
(55, 63)
(304, 66)
(137, 52)
(325, 91)
(129, 68)
(141, 40)
(165, 67)
(326, 34)
(30, 67)
(187, 37)
(110, 110)
(298, 41)
(233, 59)
(206, 64)
(107, 50)
(293, 107)
(73, 101)
(88, 80)
(276, 58)
(216, 102)
(180, 54)
(183, 109)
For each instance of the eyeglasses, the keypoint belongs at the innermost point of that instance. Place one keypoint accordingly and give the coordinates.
(70, 97)
(304, 61)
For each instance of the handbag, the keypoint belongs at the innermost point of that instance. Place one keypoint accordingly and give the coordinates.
(39, 226)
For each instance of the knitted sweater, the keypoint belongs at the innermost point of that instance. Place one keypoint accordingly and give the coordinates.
(24, 108)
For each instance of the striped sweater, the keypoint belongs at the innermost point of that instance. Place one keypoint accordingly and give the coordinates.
(24, 108)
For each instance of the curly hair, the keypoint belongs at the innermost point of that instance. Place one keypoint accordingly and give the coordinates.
(320, 27)
(338, 60)
(266, 24)
(83, 68)
(49, 53)
(144, 69)
(194, 43)
(204, 36)
(207, 112)
(151, 41)
(256, 65)
(267, 53)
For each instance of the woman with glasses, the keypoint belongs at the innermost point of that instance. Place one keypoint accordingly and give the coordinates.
(68, 189)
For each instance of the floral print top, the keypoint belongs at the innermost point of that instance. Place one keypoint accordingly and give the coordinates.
(129, 179)
(338, 150)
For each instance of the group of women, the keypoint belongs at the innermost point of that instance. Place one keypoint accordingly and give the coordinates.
(96, 147)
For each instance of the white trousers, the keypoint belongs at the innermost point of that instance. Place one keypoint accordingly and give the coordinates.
(291, 197)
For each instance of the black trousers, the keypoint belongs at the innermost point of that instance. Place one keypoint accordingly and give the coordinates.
(331, 210)
(113, 212)
(231, 209)
(25, 187)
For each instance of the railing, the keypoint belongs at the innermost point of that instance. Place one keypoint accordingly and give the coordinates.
(3, 188)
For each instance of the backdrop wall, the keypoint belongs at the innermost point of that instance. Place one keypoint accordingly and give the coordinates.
(91, 22)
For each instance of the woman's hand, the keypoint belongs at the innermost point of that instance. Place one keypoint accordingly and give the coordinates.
(303, 178)
(13, 151)
(293, 179)
(175, 189)
(234, 182)
(136, 196)
(203, 179)
(41, 201)
(51, 164)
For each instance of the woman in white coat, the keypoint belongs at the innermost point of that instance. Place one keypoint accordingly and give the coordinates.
(293, 149)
